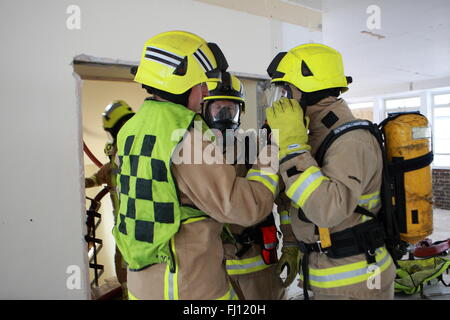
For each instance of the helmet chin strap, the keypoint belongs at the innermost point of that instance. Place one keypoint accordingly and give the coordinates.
(311, 98)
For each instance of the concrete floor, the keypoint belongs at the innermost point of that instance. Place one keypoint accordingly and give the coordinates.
(441, 219)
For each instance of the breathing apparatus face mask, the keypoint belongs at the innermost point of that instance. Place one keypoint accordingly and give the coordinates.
(223, 114)
(277, 91)
(280, 90)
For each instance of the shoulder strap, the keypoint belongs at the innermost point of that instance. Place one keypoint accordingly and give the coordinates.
(337, 132)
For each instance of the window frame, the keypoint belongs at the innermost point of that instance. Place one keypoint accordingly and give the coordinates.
(433, 118)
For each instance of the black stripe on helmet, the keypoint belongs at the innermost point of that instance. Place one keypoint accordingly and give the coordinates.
(206, 59)
(200, 60)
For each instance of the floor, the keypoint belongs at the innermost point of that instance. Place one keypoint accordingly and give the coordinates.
(441, 219)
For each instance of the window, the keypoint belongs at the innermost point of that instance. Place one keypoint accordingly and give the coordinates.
(441, 99)
(402, 105)
(361, 105)
(362, 110)
(441, 132)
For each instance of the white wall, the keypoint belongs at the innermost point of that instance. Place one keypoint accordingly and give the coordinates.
(294, 36)
(42, 204)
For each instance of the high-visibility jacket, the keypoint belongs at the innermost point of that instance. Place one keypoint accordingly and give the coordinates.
(169, 232)
(328, 196)
(150, 213)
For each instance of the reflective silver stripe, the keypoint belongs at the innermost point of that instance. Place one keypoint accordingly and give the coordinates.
(258, 263)
(171, 294)
(166, 53)
(270, 245)
(348, 274)
(264, 176)
(285, 217)
(160, 60)
(163, 57)
(367, 201)
(351, 124)
(305, 184)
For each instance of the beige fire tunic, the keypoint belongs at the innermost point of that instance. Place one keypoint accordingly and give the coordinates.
(351, 174)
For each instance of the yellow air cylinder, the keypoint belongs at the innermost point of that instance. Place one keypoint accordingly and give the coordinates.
(407, 137)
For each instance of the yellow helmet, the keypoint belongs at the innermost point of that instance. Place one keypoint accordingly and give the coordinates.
(310, 67)
(115, 114)
(230, 88)
(175, 61)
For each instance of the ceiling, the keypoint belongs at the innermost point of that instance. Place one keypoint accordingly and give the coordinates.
(411, 49)
(305, 13)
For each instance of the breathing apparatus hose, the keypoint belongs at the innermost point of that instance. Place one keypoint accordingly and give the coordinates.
(91, 156)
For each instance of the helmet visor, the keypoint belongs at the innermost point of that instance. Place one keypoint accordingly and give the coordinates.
(277, 91)
(223, 111)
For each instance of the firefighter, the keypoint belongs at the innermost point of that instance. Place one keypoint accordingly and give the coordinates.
(172, 203)
(335, 205)
(114, 117)
(250, 252)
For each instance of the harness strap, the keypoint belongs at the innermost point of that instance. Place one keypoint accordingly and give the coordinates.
(411, 164)
(334, 134)
(363, 211)
(302, 216)
(305, 271)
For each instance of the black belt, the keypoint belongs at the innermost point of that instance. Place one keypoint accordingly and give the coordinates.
(363, 238)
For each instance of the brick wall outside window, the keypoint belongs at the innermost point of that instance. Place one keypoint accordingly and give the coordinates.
(441, 188)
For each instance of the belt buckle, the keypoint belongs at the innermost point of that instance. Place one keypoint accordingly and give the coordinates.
(319, 245)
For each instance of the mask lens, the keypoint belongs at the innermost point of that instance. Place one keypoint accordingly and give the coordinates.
(278, 91)
(220, 111)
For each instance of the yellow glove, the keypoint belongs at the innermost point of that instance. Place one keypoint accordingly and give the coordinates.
(289, 258)
(286, 117)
